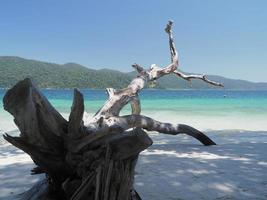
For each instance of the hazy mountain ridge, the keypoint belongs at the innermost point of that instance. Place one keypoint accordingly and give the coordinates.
(70, 75)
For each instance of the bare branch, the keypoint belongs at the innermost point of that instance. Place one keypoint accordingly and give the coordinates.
(140, 121)
(138, 68)
(76, 115)
(135, 105)
(174, 54)
(194, 76)
(111, 92)
(117, 100)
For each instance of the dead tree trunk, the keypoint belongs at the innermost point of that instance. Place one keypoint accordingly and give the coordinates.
(93, 159)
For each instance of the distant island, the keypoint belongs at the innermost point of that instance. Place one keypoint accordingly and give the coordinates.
(70, 75)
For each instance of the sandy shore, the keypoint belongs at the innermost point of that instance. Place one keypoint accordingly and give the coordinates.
(174, 168)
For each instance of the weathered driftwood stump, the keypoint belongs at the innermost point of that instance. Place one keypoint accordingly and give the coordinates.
(93, 159)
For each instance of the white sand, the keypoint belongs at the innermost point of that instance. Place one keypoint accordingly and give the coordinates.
(15, 168)
(175, 167)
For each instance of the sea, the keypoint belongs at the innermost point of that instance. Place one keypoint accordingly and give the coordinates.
(203, 109)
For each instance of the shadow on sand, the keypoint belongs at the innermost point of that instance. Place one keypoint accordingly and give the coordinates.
(173, 168)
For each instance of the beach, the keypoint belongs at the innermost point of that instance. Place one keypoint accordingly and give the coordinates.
(175, 167)
(181, 168)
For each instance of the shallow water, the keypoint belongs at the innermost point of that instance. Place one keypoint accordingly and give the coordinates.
(177, 165)
(203, 109)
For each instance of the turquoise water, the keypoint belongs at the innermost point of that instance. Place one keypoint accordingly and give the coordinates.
(205, 109)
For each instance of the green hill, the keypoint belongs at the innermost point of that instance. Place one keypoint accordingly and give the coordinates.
(70, 75)
(50, 75)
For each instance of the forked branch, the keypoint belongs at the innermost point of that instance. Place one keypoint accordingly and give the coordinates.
(118, 99)
(197, 76)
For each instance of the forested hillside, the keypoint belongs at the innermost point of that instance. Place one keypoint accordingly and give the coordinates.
(70, 75)
(50, 75)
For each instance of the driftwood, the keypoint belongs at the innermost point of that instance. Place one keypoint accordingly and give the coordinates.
(92, 159)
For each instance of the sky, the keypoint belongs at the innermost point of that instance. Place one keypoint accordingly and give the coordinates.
(221, 37)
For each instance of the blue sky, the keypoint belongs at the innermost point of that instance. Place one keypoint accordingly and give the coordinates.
(223, 37)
